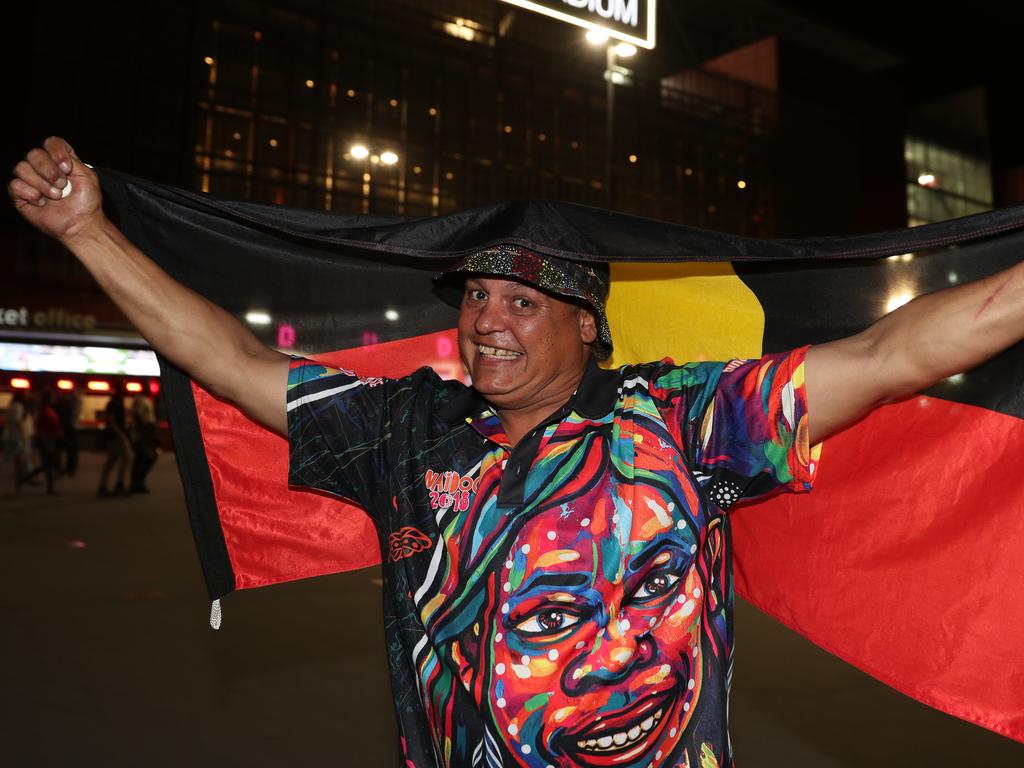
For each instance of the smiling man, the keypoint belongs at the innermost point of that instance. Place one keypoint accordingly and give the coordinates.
(555, 538)
(574, 606)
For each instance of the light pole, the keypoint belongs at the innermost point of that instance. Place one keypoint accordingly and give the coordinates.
(613, 76)
(609, 76)
(361, 153)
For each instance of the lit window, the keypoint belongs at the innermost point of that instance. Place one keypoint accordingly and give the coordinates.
(462, 29)
(133, 386)
(65, 384)
(257, 317)
(98, 386)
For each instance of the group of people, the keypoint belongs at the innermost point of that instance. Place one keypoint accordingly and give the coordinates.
(132, 445)
(40, 437)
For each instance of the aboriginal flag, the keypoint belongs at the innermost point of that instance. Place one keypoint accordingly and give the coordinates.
(907, 559)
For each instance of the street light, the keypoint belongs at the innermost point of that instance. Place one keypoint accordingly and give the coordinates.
(361, 153)
(597, 36)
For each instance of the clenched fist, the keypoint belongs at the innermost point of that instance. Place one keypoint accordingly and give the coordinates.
(39, 186)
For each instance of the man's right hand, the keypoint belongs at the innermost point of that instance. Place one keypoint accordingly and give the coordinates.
(37, 191)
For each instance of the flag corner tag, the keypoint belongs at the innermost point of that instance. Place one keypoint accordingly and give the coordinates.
(215, 614)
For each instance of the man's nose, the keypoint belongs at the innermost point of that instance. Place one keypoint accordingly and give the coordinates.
(616, 653)
(490, 318)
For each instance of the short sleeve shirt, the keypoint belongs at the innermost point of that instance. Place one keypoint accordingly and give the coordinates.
(567, 601)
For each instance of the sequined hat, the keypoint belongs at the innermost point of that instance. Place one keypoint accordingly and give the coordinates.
(586, 281)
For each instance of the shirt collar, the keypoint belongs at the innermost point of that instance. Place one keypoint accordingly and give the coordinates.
(594, 398)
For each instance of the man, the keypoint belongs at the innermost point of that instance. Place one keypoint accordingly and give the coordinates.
(556, 540)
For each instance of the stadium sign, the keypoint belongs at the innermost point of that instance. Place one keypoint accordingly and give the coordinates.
(631, 21)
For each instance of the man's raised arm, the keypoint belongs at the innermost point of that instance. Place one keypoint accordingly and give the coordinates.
(196, 335)
(924, 341)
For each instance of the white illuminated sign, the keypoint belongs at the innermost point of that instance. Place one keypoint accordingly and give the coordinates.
(631, 21)
(47, 358)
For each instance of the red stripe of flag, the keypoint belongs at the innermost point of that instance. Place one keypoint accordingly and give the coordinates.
(904, 560)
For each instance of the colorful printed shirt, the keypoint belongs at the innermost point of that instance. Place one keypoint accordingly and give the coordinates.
(567, 602)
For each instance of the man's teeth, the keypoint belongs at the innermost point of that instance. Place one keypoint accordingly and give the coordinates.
(619, 739)
(495, 352)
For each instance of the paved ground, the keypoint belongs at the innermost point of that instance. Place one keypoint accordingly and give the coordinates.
(106, 659)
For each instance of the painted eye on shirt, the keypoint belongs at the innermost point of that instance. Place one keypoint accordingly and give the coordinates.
(548, 621)
(656, 585)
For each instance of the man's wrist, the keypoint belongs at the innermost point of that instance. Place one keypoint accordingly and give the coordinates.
(96, 229)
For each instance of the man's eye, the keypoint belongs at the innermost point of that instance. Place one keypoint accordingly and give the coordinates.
(655, 585)
(547, 622)
(475, 294)
(522, 303)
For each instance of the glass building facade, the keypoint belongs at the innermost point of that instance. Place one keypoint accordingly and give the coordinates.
(944, 183)
(479, 102)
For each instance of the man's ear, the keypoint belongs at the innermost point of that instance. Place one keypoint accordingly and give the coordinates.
(588, 326)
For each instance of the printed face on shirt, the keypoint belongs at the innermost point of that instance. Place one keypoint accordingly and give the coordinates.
(520, 345)
(596, 652)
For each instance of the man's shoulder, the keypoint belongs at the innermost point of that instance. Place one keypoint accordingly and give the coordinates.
(311, 380)
(667, 372)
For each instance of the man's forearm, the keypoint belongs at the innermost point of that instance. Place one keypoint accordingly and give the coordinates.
(60, 195)
(192, 332)
(919, 344)
(943, 333)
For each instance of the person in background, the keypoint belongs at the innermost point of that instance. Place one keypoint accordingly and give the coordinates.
(48, 437)
(69, 409)
(145, 442)
(15, 449)
(28, 434)
(118, 445)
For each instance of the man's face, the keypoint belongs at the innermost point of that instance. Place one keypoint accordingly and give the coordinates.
(521, 346)
(596, 656)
